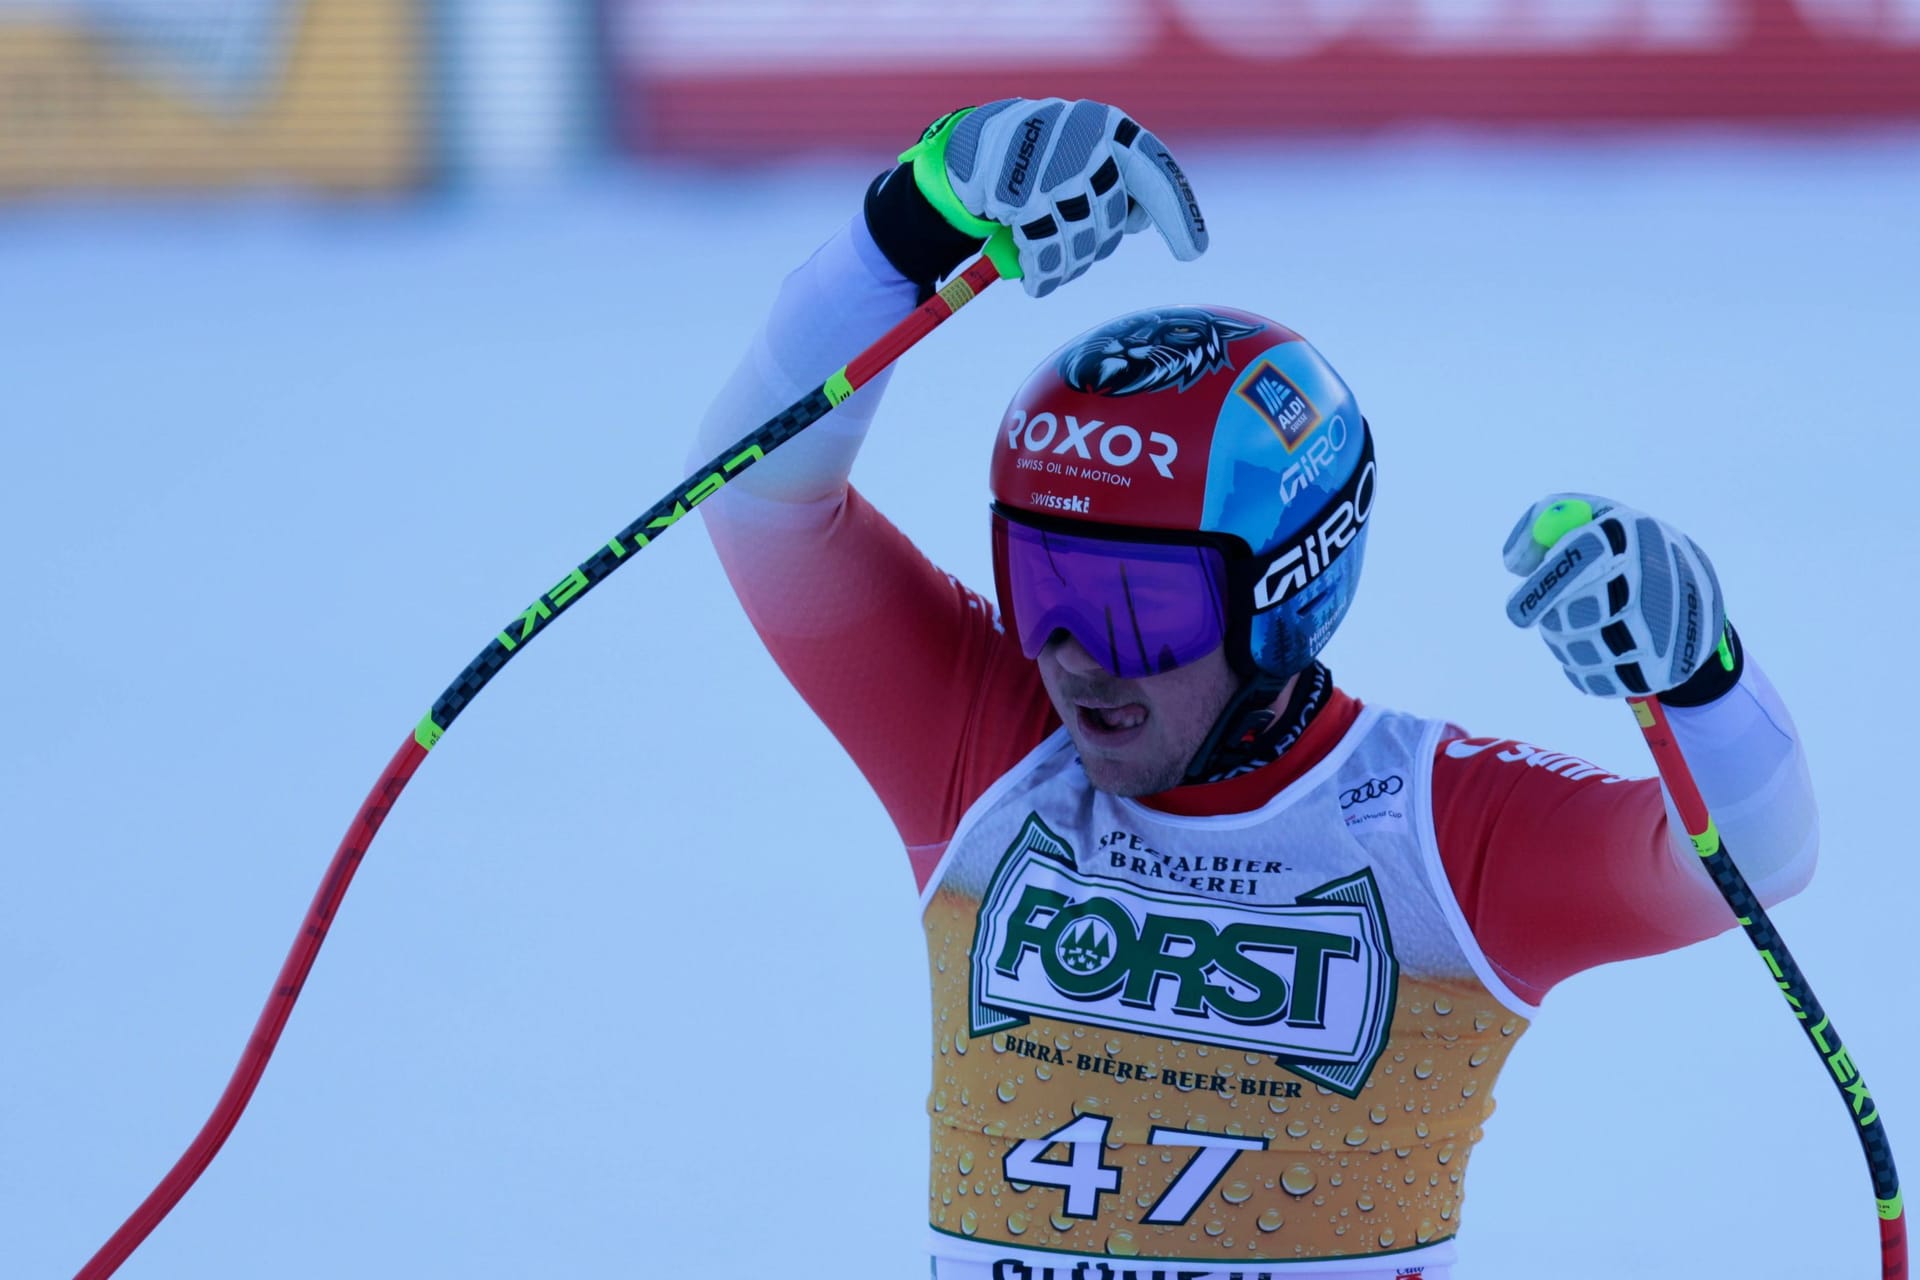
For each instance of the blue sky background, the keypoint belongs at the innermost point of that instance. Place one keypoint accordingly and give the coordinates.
(632, 981)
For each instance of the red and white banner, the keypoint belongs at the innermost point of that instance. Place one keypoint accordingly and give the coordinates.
(750, 76)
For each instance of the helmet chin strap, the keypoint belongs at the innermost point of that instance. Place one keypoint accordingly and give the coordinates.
(1251, 731)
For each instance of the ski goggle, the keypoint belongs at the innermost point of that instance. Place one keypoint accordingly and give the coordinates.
(1139, 608)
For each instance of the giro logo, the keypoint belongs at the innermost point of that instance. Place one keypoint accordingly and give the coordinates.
(1296, 567)
(1311, 983)
(1372, 789)
(1319, 455)
(1064, 435)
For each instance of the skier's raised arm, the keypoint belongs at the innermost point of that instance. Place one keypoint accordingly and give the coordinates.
(1560, 865)
(857, 618)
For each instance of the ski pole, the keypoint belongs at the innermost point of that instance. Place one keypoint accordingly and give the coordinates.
(1819, 1028)
(1651, 716)
(515, 636)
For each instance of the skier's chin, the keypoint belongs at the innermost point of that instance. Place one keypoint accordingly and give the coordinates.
(1135, 736)
(1143, 765)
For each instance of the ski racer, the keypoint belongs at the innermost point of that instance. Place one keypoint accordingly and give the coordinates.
(1224, 961)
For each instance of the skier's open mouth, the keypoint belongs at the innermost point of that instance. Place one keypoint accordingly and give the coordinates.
(1112, 725)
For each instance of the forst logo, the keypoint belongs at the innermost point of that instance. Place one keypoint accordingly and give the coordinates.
(1086, 949)
(1310, 982)
(1093, 948)
(1116, 444)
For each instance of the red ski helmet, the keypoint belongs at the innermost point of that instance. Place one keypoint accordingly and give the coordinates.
(1201, 428)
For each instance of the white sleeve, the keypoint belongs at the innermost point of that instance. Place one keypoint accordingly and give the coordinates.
(828, 310)
(1747, 761)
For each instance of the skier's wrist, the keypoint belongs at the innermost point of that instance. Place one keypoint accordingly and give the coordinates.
(920, 243)
(1714, 680)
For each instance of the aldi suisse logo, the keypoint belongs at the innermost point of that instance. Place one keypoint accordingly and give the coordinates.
(1286, 409)
(1311, 984)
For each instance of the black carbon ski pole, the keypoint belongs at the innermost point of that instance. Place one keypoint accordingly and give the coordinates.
(1819, 1028)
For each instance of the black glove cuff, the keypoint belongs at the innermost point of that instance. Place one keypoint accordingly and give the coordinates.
(1711, 681)
(922, 246)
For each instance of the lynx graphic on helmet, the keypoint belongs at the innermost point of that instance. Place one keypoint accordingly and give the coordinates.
(1151, 350)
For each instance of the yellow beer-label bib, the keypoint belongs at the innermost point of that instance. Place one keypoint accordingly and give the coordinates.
(1211, 1042)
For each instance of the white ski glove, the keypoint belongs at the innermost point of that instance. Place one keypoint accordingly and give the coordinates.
(1629, 605)
(1069, 179)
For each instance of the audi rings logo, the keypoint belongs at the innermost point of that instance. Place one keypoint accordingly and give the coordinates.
(1372, 789)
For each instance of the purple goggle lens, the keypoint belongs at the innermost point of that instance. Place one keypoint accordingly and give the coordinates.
(1139, 608)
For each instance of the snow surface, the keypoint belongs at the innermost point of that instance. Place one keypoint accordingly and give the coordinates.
(632, 983)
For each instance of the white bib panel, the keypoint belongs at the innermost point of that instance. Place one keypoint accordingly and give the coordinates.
(1259, 1041)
